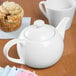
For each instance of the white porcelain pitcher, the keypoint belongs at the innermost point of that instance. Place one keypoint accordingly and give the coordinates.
(40, 45)
(56, 10)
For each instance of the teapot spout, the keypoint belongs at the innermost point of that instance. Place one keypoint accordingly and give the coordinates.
(61, 27)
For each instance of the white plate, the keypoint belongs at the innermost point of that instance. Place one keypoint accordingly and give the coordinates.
(10, 35)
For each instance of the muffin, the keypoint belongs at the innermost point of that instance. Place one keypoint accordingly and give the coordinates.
(3, 12)
(10, 16)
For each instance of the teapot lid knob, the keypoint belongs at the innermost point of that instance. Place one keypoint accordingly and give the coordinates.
(39, 23)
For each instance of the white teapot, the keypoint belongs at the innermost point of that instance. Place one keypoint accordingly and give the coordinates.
(40, 45)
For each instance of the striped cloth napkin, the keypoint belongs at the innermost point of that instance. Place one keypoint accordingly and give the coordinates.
(14, 71)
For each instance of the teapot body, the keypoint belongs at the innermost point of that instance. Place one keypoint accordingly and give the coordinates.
(41, 54)
(40, 45)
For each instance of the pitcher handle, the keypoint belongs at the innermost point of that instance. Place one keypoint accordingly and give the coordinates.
(42, 9)
(6, 50)
(75, 5)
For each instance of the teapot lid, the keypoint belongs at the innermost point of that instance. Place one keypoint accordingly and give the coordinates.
(39, 31)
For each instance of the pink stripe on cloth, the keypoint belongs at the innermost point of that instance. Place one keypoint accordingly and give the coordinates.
(26, 73)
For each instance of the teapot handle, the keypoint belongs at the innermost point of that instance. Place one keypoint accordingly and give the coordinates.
(6, 50)
(42, 9)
